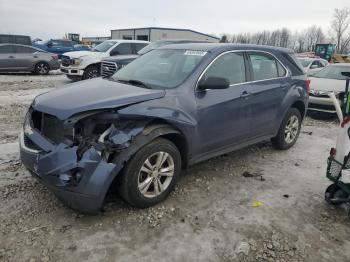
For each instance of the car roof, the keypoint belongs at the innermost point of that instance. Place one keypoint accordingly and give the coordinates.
(127, 41)
(211, 47)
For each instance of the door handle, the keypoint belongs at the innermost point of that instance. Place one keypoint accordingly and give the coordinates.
(11, 56)
(245, 94)
(35, 56)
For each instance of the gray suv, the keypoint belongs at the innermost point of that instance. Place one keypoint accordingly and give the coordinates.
(18, 58)
(168, 109)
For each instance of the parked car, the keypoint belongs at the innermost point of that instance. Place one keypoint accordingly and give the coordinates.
(14, 58)
(15, 39)
(170, 108)
(111, 64)
(327, 80)
(58, 46)
(87, 64)
(313, 65)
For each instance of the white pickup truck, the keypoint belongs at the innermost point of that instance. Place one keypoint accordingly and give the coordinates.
(80, 65)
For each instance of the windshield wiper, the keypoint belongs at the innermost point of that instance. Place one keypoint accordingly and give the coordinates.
(134, 82)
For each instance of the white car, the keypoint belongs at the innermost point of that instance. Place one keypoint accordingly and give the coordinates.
(313, 65)
(86, 64)
(325, 81)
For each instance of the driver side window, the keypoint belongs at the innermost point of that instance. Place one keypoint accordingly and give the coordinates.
(122, 49)
(230, 66)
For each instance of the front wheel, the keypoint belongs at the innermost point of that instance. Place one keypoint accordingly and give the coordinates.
(91, 72)
(289, 130)
(151, 174)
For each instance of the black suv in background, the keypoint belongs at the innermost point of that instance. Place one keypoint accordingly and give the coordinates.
(111, 64)
(15, 39)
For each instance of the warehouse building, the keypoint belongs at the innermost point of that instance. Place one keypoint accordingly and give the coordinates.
(159, 33)
(94, 39)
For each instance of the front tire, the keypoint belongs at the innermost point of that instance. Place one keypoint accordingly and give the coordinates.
(42, 68)
(91, 72)
(289, 130)
(151, 174)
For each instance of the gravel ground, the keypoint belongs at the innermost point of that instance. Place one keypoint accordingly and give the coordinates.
(257, 204)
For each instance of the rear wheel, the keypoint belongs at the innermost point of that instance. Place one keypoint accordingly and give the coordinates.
(91, 72)
(289, 130)
(151, 174)
(42, 68)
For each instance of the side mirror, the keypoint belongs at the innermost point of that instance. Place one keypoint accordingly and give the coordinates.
(213, 83)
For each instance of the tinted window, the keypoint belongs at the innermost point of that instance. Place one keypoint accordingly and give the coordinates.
(265, 66)
(23, 40)
(5, 39)
(122, 49)
(139, 46)
(230, 66)
(24, 50)
(6, 49)
(67, 43)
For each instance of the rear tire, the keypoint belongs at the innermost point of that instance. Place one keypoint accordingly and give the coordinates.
(91, 72)
(289, 130)
(144, 181)
(42, 68)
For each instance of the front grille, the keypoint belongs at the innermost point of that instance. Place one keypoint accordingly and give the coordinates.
(49, 126)
(66, 61)
(320, 95)
(322, 107)
(108, 68)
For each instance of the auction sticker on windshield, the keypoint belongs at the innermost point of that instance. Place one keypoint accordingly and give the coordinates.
(197, 53)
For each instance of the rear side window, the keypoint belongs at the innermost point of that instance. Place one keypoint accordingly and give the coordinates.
(24, 50)
(5, 39)
(294, 63)
(230, 66)
(122, 49)
(6, 49)
(265, 67)
(23, 40)
(67, 43)
(139, 46)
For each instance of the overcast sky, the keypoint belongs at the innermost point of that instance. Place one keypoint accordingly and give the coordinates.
(52, 19)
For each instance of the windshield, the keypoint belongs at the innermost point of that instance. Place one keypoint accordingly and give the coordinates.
(333, 72)
(161, 68)
(103, 47)
(304, 62)
(152, 46)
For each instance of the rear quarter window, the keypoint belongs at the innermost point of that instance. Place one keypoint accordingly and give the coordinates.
(294, 64)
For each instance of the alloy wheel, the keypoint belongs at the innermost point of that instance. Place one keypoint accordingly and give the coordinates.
(291, 130)
(156, 174)
(42, 68)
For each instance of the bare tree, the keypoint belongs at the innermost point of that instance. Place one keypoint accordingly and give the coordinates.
(340, 25)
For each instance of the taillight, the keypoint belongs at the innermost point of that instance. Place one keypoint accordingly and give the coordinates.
(308, 81)
(55, 57)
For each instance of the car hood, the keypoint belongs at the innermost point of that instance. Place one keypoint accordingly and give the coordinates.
(120, 58)
(80, 54)
(91, 95)
(327, 85)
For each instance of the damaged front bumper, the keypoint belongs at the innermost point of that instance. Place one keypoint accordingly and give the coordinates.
(81, 183)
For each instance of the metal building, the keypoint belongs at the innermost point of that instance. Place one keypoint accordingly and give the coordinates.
(94, 39)
(159, 33)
